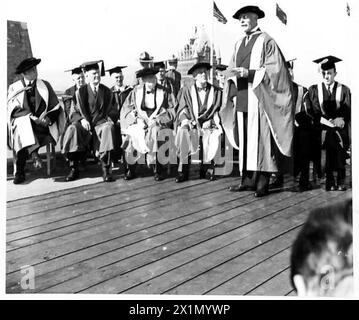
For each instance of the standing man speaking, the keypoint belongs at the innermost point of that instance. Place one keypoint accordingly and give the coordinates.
(257, 112)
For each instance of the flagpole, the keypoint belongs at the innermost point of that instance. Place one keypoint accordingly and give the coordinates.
(212, 47)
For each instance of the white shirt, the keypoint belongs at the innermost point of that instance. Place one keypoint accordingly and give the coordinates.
(249, 37)
(93, 87)
(331, 87)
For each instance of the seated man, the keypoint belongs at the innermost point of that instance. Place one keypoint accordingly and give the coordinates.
(322, 254)
(148, 109)
(198, 124)
(120, 92)
(330, 104)
(35, 117)
(92, 119)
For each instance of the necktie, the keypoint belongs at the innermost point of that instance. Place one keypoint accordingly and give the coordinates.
(330, 93)
(95, 91)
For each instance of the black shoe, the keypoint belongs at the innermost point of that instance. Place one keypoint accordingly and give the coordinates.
(73, 175)
(342, 187)
(158, 177)
(107, 177)
(330, 188)
(19, 178)
(181, 177)
(239, 188)
(129, 175)
(259, 194)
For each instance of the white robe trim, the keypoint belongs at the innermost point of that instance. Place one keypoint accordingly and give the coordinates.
(139, 98)
(211, 137)
(17, 100)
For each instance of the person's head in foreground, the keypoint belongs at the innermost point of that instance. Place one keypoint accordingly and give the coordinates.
(322, 254)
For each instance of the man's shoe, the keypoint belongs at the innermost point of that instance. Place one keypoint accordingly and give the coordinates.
(73, 175)
(158, 177)
(239, 188)
(259, 194)
(181, 177)
(342, 187)
(129, 175)
(107, 177)
(19, 178)
(330, 188)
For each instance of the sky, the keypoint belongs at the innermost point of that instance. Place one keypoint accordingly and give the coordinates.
(67, 33)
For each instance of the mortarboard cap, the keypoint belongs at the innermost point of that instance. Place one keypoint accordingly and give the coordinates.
(76, 70)
(146, 72)
(198, 65)
(327, 62)
(249, 9)
(97, 65)
(159, 65)
(221, 67)
(117, 69)
(27, 64)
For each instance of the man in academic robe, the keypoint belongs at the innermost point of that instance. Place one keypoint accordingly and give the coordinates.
(257, 112)
(162, 79)
(120, 92)
(220, 78)
(78, 78)
(330, 105)
(35, 117)
(92, 120)
(197, 123)
(148, 109)
(303, 139)
(173, 74)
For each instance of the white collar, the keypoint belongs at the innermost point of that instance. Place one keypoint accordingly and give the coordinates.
(27, 82)
(253, 30)
(94, 86)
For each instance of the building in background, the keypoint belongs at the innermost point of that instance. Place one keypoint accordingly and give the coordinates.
(18, 47)
(198, 49)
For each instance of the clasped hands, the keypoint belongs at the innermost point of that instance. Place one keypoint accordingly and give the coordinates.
(45, 121)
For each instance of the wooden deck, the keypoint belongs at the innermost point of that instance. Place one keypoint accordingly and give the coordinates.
(147, 237)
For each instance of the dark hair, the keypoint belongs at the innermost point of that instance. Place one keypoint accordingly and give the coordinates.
(325, 226)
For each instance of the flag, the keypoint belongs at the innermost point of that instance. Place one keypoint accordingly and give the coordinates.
(218, 14)
(281, 15)
(348, 9)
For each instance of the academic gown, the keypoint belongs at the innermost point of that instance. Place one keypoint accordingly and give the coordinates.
(259, 120)
(192, 111)
(337, 105)
(101, 112)
(176, 78)
(39, 101)
(140, 125)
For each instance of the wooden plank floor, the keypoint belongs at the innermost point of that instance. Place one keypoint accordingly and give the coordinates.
(146, 237)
